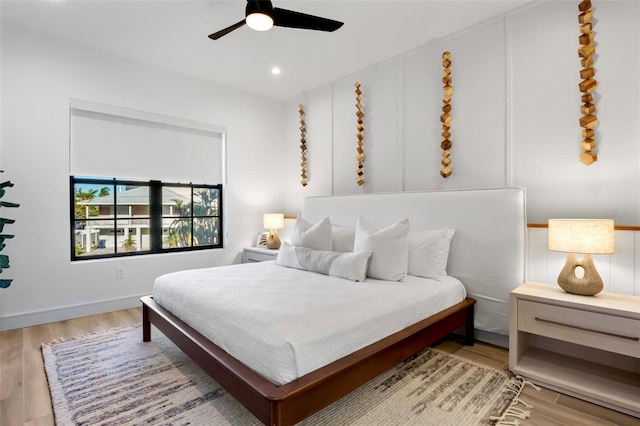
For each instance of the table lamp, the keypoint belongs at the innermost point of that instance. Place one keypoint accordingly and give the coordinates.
(587, 237)
(273, 222)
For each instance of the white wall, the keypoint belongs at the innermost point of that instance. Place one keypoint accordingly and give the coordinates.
(515, 122)
(516, 107)
(39, 76)
(546, 110)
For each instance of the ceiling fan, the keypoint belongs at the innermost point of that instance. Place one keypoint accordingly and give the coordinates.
(260, 15)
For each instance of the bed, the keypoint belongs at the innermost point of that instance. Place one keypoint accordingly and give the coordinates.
(486, 254)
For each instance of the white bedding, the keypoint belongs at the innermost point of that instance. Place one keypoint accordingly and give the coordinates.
(284, 323)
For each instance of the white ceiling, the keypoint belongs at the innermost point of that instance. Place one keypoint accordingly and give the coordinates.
(173, 35)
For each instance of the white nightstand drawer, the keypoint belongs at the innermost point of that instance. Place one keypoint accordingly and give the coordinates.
(257, 257)
(607, 332)
(258, 254)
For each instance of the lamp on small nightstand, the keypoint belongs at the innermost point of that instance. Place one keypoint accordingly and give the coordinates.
(587, 237)
(273, 222)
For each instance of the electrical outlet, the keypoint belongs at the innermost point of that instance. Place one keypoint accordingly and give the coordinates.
(119, 272)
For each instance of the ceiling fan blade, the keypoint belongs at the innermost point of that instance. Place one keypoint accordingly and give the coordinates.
(291, 19)
(227, 30)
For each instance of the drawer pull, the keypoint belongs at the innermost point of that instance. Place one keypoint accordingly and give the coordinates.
(622, 336)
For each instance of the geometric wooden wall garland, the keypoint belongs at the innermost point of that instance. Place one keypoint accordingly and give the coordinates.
(445, 118)
(360, 136)
(588, 84)
(303, 146)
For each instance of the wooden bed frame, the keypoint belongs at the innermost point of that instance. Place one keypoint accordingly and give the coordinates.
(487, 255)
(297, 400)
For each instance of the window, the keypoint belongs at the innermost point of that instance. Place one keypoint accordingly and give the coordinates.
(125, 166)
(119, 217)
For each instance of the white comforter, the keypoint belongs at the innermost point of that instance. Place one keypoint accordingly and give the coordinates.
(284, 323)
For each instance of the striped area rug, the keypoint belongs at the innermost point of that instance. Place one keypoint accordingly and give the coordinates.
(113, 378)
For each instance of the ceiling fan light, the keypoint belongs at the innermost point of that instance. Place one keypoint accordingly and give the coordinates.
(259, 21)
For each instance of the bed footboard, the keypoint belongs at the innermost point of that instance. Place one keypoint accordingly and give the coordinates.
(257, 394)
(297, 400)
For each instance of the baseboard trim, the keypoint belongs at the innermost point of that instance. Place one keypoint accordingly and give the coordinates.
(10, 322)
(501, 340)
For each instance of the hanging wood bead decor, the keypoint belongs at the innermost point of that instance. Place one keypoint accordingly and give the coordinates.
(360, 136)
(303, 146)
(588, 84)
(445, 118)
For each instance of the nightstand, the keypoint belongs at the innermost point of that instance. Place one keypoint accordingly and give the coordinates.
(258, 254)
(584, 346)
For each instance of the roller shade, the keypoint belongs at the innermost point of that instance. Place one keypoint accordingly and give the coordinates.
(108, 141)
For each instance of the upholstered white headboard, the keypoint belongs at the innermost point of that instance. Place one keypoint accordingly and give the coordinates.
(487, 251)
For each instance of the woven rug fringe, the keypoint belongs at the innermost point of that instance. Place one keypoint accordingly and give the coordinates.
(512, 411)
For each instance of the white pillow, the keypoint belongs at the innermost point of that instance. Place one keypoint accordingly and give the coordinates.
(389, 249)
(316, 237)
(343, 238)
(352, 266)
(429, 252)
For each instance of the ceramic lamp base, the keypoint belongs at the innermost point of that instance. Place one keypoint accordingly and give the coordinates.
(273, 240)
(587, 285)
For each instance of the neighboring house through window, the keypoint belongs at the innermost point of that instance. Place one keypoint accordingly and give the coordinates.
(115, 217)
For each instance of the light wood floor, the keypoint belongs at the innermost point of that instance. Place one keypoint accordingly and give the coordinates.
(24, 393)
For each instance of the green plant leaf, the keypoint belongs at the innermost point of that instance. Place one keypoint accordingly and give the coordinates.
(3, 185)
(4, 221)
(2, 238)
(4, 259)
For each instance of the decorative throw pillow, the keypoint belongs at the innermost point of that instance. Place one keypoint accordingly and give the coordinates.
(429, 252)
(316, 237)
(352, 266)
(389, 249)
(343, 238)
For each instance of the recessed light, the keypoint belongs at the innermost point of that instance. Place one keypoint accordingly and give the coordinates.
(275, 70)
